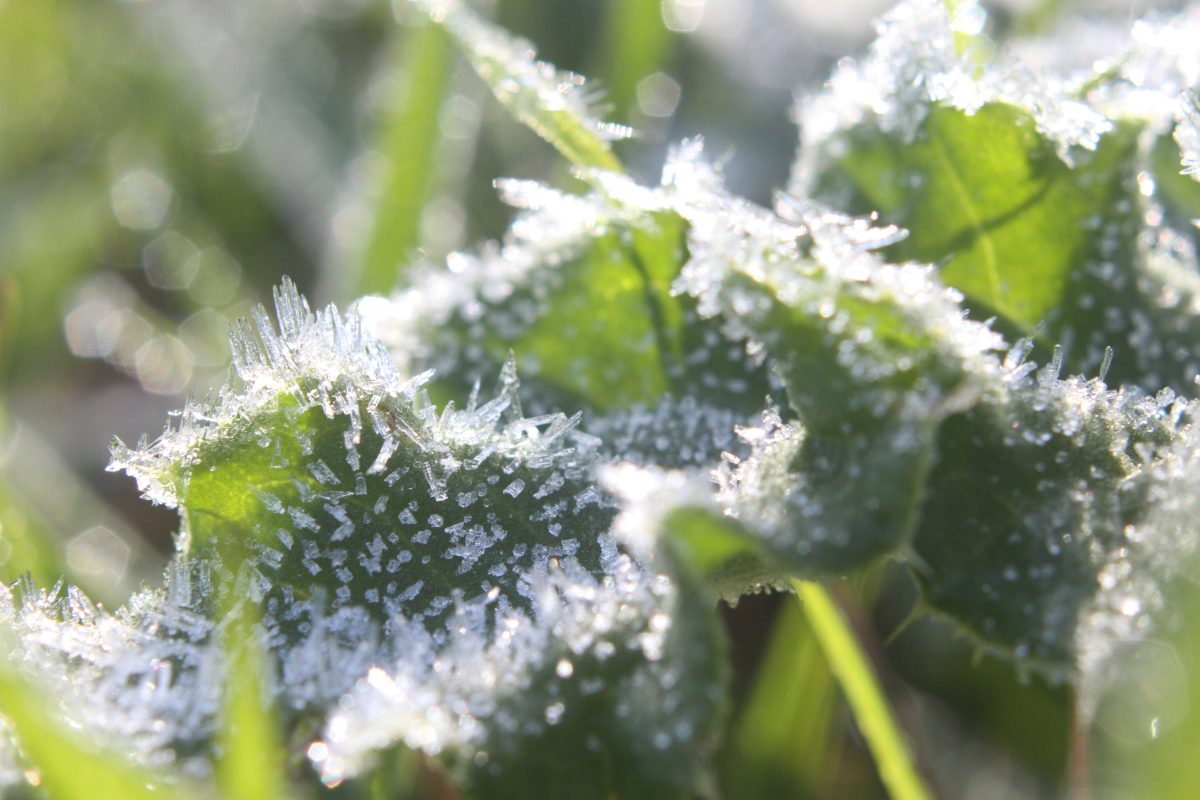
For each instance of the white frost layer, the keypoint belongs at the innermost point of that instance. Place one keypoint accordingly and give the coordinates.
(479, 696)
(924, 55)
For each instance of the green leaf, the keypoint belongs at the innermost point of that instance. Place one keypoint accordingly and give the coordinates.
(1028, 515)
(509, 625)
(648, 719)
(570, 700)
(553, 104)
(719, 549)
(338, 479)
(1051, 249)
(591, 316)
(873, 357)
(986, 197)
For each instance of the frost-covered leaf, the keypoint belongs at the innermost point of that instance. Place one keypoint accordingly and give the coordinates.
(396, 545)
(914, 438)
(611, 689)
(553, 103)
(873, 357)
(581, 293)
(335, 477)
(63, 648)
(1025, 530)
(1034, 204)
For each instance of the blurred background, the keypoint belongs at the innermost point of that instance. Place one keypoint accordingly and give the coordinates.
(163, 163)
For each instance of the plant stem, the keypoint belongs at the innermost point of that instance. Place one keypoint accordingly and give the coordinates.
(870, 707)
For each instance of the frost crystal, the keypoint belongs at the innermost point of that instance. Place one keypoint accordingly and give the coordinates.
(461, 556)
(148, 675)
(1187, 134)
(918, 61)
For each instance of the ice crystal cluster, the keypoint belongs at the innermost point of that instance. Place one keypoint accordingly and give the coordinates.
(751, 394)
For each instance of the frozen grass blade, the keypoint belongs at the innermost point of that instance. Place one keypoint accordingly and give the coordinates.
(553, 103)
(864, 694)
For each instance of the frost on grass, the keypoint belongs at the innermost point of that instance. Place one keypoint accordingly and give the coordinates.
(392, 542)
(555, 104)
(1187, 133)
(1063, 223)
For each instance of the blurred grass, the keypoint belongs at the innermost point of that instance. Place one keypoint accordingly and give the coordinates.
(409, 142)
(789, 727)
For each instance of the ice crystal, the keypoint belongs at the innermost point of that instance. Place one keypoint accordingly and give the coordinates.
(592, 654)
(918, 61)
(147, 675)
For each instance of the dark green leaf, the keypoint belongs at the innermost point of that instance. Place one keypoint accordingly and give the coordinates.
(1050, 249)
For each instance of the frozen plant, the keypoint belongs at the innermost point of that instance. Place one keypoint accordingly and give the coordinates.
(963, 339)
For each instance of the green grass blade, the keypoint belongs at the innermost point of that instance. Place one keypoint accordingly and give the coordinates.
(409, 139)
(553, 104)
(870, 707)
(783, 741)
(636, 44)
(251, 757)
